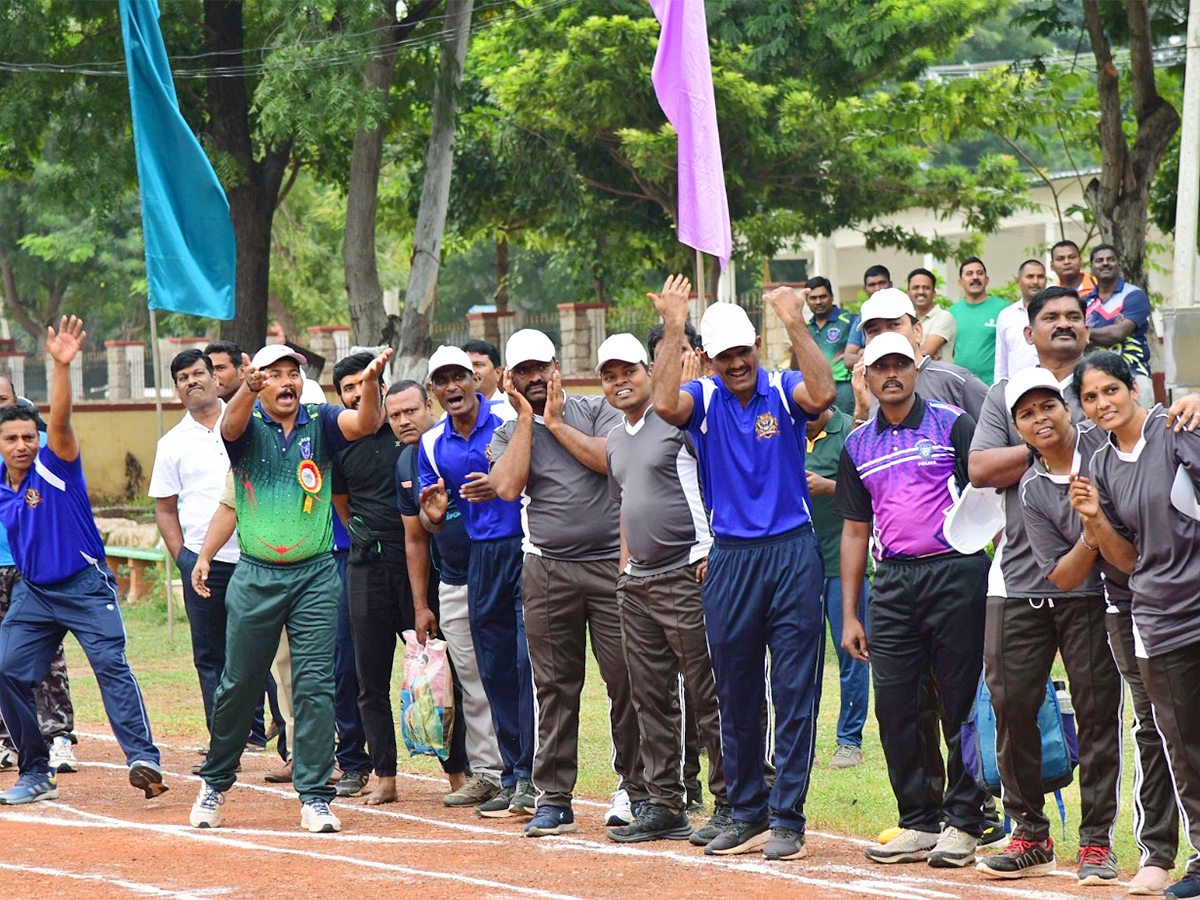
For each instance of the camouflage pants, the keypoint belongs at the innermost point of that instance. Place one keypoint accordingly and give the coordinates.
(55, 714)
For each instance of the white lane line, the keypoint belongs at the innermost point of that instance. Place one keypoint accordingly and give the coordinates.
(986, 886)
(206, 836)
(874, 884)
(136, 887)
(7, 816)
(605, 848)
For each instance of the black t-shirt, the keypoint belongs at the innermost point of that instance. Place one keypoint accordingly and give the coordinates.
(363, 472)
(451, 546)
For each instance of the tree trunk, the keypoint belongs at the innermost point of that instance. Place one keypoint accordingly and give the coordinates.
(253, 199)
(502, 274)
(420, 297)
(12, 300)
(368, 320)
(1119, 197)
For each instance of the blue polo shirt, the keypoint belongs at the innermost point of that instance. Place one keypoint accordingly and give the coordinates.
(6, 557)
(832, 338)
(49, 520)
(447, 455)
(751, 459)
(1130, 301)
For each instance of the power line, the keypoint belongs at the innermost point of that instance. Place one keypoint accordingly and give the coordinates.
(116, 69)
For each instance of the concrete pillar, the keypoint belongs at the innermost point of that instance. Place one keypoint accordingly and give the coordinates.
(120, 373)
(582, 331)
(168, 349)
(12, 364)
(76, 376)
(493, 327)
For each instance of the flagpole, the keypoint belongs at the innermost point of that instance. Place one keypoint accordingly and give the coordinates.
(701, 303)
(156, 364)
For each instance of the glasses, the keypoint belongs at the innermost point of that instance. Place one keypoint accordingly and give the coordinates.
(458, 376)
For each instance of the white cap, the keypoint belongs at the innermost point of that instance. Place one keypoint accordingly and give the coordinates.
(974, 519)
(312, 392)
(273, 353)
(725, 325)
(887, 303)
(623, 347)
(886, 344)
(448, 355)
(1033, 378)
(527, 345)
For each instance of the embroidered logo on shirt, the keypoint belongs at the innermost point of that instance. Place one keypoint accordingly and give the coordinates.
(32, 498)
(306, 448)
(833, 334)
(925, 449)
(766, 426)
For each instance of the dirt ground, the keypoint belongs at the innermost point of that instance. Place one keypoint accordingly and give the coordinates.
(101, 840)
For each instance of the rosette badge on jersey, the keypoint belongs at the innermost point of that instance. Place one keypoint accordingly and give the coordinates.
(310, 479)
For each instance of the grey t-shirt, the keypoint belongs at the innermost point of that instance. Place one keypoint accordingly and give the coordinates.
(653, 474)
(1015, 571)
(1134, 489)
(1052, 525)
(947, 383)
(567, 511)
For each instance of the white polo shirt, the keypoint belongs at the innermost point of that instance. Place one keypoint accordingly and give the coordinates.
(1013, 352)
(191, 463)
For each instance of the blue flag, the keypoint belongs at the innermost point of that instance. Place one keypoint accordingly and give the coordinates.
(191, 255)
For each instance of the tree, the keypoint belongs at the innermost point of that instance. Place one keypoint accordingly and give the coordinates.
(413, 344)
(368, 320)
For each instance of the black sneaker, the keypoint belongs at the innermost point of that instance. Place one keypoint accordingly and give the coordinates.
(785, 843)
(695, 798)
(352, 782)
(738, 837)
(721, 819)
(653, 823)
(1020, 859)
(497, 807)
(147, 778)
(993, 836)
(1097, 865)
(524, 798)
(1184, 889)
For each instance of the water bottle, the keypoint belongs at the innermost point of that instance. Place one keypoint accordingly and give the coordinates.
(1064, 699)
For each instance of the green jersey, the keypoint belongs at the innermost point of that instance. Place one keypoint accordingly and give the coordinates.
(284, 513)
(975, 344)
(822, 458)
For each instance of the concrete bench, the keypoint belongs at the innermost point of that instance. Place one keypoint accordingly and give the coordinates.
(136, 586)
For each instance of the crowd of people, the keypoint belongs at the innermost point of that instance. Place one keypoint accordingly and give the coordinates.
(703, 523)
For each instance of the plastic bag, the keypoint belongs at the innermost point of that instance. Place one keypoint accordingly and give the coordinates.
(427, 698)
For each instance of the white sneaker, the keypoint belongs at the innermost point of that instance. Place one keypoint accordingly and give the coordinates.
(954, 849)
(8, 758)
(62, 755)
(317, 817)
(206, 811)
(619, 813)
(908, 846)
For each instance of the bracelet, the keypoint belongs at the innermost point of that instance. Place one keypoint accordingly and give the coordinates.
(1086, 545)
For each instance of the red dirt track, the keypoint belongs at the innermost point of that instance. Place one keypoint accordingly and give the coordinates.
(101, 840)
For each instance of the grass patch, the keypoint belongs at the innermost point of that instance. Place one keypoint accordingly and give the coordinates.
(853, 801)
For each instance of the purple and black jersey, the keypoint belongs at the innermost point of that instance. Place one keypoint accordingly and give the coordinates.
(906, 477)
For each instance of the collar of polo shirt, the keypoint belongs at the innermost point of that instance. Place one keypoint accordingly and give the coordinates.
(912, 420)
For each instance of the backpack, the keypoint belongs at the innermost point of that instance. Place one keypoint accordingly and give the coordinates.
(1060, 746)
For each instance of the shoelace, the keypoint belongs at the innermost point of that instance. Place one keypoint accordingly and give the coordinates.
(1094, 855)
(1019, 846)
(210, 799)
(320, 807)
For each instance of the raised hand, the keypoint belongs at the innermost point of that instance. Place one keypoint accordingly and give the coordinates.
(63, 345)
(555, 401)
(1084, 498)
(787, 302)
(1184, 413)
(693, 368)
(862, 393)
(254, 378)
(375, 367)
(672, 303)
(435, 501)
(515, 398)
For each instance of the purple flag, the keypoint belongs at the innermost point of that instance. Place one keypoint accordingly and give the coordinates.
(683, 82)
